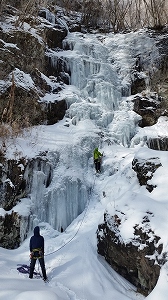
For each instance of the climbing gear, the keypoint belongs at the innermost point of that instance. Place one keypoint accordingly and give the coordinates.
(25, 269)
(36, 253)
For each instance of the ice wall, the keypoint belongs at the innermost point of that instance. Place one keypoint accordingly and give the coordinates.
(97, 95)
(90, 70)
(103, 68)
(61, 203)
(61, 199)
(99, 105)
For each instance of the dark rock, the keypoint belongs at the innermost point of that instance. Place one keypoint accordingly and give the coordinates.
(149, 107)
(159, 81)
(75, 27)
(12, 183)
(57, 66)
(39, 81)
(159, 143)
(54, 36)
(138, 84)
(43, 13)
(16, 179)
(26, 55)
(131, 260)
(25, 103)
(10, 231)
(64, 77)
(55, 111)
(145, 169)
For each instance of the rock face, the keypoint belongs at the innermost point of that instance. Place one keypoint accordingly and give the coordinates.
(10, 239)
(159, 143)
(159, 82)
(145, 169)
(148, 107)
(25, 56)
(151, 106)
(19, 60)
(55, 111)
(134, 259)
(15, 184)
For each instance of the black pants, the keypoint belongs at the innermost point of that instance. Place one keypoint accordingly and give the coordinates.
(97, 164)
(42, 265)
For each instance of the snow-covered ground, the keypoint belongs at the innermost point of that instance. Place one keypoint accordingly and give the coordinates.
(99, 115)
(74, 268)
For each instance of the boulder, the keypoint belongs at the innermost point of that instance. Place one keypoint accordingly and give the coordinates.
(148, 106)
(133, 260)
(10, 231)
(17, 53)
(145, 169)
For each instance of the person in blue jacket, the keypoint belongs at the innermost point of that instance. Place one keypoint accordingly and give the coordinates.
(37, 252)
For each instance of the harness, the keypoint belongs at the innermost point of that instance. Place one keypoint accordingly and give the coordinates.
(37, 253)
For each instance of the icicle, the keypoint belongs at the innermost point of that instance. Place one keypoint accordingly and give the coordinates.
(50, 16)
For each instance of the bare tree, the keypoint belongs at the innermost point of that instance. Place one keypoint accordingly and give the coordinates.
(92, 13)
(117, 11)
(8, 110)
(2, 5)
(29, 8)
(155, 9)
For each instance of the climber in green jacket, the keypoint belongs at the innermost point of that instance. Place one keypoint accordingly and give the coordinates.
(97, 159)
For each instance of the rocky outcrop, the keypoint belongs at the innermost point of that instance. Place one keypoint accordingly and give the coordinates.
(55, 33)
(55, 111)
(159, 82)
(12, 183)
(28, 60)
(145, 169)
(138, 80)
(16, 180)
(16, 53)
(13, 230)
(158, 74)
(10, 239)
(158, 143)
(148, 107)
(25, 103)
(151, 106)
(140, 257)
(136, 260)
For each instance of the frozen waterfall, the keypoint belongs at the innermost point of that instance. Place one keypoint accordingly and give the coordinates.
(100, 112)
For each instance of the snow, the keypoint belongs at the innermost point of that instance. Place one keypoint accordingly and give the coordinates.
(98, 115)
(22, 80)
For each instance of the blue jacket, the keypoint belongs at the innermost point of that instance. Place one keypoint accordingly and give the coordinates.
(37, 241)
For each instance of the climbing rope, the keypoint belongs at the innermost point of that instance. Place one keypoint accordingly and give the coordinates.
(71, 238)
(78, 227)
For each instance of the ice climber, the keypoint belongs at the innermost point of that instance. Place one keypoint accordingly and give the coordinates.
(37, 252)
(97, 159)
